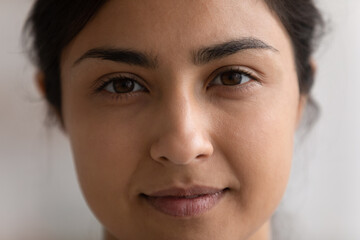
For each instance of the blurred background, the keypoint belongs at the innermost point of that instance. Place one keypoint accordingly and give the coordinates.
(39, 194)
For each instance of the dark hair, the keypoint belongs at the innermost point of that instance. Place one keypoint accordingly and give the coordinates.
(52, 24)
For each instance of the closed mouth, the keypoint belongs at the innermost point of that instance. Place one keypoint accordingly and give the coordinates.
(190, 202)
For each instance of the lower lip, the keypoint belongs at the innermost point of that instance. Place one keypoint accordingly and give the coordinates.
(185, 207)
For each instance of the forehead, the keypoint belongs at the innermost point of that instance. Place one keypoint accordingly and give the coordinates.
(173, 28)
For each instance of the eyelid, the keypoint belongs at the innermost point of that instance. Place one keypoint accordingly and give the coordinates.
(242, 69)
(104, 80)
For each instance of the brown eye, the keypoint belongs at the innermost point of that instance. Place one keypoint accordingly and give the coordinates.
(123, 85)
(233, 78)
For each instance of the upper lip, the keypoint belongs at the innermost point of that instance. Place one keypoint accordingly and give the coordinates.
(184, 192)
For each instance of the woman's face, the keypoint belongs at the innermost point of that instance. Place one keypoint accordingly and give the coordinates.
(181, 116)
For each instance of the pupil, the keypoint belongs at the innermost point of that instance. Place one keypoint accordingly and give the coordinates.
(123, 85)
(231, 78)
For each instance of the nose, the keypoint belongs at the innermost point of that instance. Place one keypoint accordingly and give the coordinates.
(182, 138)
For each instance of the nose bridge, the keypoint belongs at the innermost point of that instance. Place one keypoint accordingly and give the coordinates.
(181, 138)
(180, 113)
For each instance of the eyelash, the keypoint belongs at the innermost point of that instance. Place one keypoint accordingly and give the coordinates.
(105, 82)
(244, 72)
(118, 96)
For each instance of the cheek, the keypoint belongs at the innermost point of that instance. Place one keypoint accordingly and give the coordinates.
(107, 149)
(257, 141)
(106, 153)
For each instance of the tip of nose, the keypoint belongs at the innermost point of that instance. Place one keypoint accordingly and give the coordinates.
(182, 154)
(181, 145)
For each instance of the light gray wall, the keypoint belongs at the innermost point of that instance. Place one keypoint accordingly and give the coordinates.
(39, 194)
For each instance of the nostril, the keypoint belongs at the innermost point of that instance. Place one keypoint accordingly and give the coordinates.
(180, 149)
(201, 156)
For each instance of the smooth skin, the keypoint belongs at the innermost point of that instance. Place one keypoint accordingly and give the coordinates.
(182, 125)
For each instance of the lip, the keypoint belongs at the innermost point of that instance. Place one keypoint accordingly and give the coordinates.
(181, 202)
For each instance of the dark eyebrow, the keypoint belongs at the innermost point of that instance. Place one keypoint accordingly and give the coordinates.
(127, 56)
(207, 54)
(200, 57)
